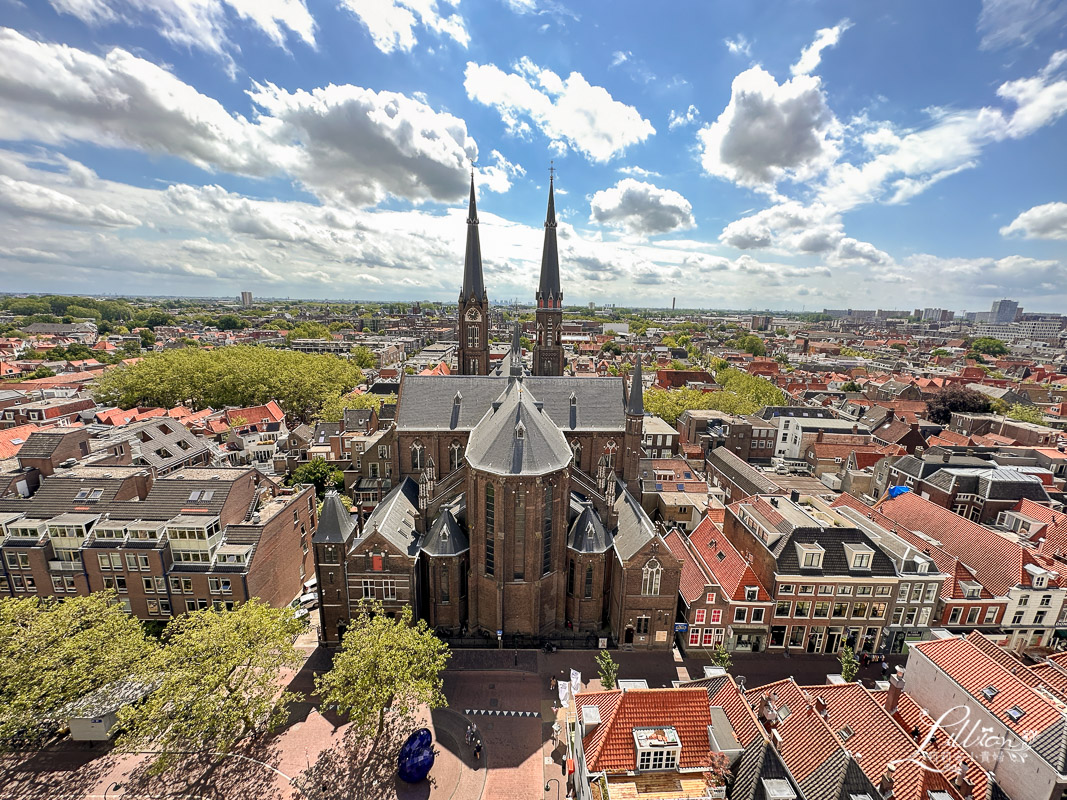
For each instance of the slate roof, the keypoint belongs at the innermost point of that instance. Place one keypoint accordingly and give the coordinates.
(335, 522)
(741, 472)
(516, 437)
(447, 536)
(394, 518)
(587, 533)
(41, 444)
(473, 285)
(548, 288)
(428, 402)
(635, 529)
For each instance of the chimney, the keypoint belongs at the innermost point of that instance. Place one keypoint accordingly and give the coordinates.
(945, 457)
(896, 686)
(885, 785)
(820, 706)
(855, 428)
(794, 495)
(768, 714)
(965, 786)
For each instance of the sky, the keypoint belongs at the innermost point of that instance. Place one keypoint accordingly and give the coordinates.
(767, 155)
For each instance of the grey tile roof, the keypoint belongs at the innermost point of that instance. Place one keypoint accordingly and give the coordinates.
(635, 529)
(335, 522)
(447, 536)
(835, 559)
(41, 444)
(740, 471)
(587, 532)
(516, 437)
(394, 518)
(426, 401)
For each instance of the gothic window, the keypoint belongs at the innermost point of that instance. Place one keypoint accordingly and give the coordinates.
(546, 534)
(548, 336)
(650, 577)
(518, 547)
(570, 578)
(610, 449)
(588, 581)
(490, 530)
(416, 456)
(444, 588)
(576, 448)
(472, 336)
(455, 456)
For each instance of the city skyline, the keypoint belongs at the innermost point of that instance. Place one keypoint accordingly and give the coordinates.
(816, 157)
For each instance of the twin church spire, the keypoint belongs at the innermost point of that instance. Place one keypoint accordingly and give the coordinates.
(548, 357)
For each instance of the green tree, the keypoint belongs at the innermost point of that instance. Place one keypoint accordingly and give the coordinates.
(899, 347)
(52, 653)
(609, 670)
(851, 386)
(153, 319)
(231, 322)
(308, 330)
(989, 346)
(384, 665)
(940, 351)
(721, 657)
(320, 474)
(850, 666)
(1025, 413)
(940, 407)
(216, 682)
(334, 408)
(363, 357)
(148, 338)
(41, 372)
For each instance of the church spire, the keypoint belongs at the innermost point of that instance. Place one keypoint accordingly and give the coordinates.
(473, 285)
(548, 292)
(635, 404)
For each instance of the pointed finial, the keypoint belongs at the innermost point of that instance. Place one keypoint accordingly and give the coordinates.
(551, 170)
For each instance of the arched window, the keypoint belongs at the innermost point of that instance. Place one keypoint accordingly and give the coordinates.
(610, 449)
(472, 336)
(416, 456)
(490, 530)
(455, 456)
(576, 449)
(650, 577)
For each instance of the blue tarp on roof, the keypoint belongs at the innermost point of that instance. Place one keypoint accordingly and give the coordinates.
(897, 491)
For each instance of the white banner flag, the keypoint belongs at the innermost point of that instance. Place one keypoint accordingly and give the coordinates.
(576, 681)
(564, 693)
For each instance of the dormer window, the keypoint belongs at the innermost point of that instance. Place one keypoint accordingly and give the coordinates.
(751, 593)
(971, 589)
(859, 555)
(657, 748)
(810, 555)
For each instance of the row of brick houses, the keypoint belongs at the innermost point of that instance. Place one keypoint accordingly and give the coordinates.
(194, 538)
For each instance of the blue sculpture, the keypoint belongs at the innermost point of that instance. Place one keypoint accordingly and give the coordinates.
(416, 756)
(897, 491)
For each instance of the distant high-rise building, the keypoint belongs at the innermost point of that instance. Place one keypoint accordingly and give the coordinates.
(246, 299)
(1003, 311)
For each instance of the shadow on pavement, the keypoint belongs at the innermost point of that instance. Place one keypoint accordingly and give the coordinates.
(64, 768)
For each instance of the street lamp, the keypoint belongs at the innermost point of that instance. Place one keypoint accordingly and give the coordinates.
(114, 785)
(555, 781)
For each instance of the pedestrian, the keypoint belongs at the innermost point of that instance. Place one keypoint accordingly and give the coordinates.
(864, 659)
(478, 752)
(552, 683)
(885, 668)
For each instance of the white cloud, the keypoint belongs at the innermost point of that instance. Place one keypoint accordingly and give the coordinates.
(683, 119)
(1018, 22)
(498, 175)
(641, 208)
(337, 140)
(640, 172)
(811, 55)
(391, 23)
(619, 56)
(738, 45)
(768, 132)
(22, 198)
(1010, 276)
(571, 112)
(199, 24)
(1048, 221)
(852, 251)
(364, 145)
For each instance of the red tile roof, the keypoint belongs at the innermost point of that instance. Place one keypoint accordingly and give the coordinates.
(732, 571)
(610, 747)
(969, 664)
(694, 580)
(999, 564)
(12, 439)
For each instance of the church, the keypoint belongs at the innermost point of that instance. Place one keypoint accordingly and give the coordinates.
(514, 514)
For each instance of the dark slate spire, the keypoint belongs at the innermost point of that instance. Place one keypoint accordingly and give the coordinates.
(335, 523)
(548, 292)
(516, 352)
(635, 404)
(473, 286)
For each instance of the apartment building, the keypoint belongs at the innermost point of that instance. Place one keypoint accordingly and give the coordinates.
(191, 539)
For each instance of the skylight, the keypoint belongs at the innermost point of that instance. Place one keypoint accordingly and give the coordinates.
(990, 692)
(1015, 713)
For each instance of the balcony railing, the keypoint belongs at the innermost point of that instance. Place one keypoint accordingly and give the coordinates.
(65, 566)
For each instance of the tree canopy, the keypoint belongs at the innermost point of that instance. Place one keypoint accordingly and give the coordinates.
(216, 681)
(742, 394)
(1025, 413)
(52, 653)
(363, 357)
(940, 407)
(230, 376)
(989, 346)
(384, 665)
(320, 474)
(333, 408)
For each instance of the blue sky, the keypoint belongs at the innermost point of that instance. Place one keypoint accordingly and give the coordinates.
(795, 155)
